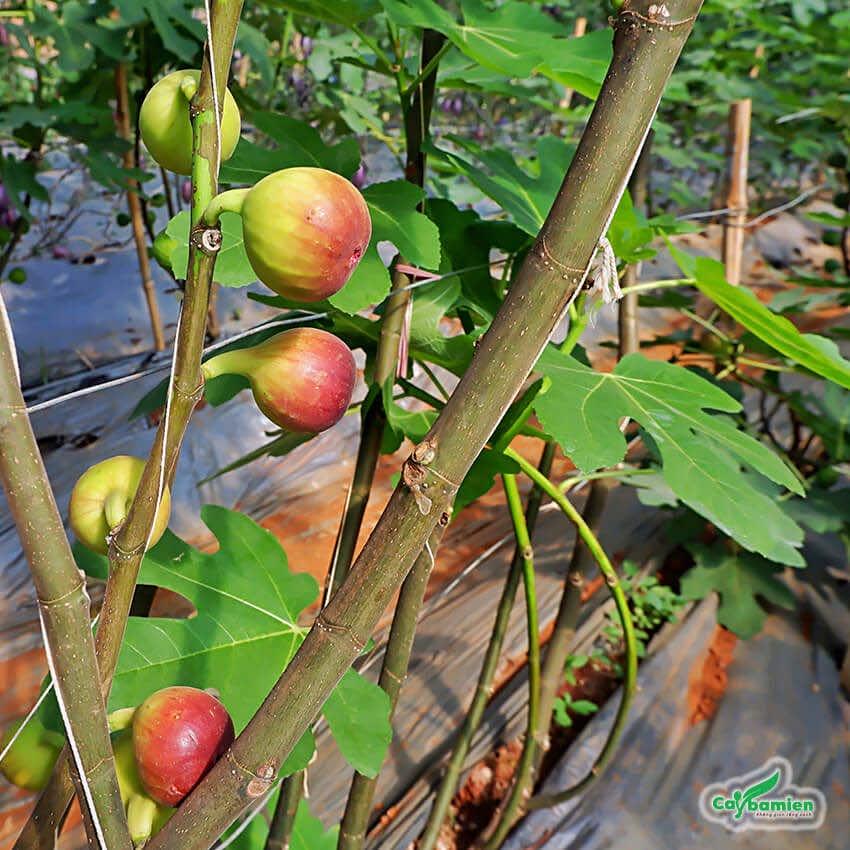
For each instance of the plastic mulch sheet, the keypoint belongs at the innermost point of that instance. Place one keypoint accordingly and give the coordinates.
(782, 699)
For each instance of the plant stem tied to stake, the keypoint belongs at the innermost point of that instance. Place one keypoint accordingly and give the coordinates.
(185, 390)
(646, 47)
(63, 607)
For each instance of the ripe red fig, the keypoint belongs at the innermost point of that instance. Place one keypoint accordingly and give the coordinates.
(302, 379)
(178, 735)
(101, 498)
(305, 230)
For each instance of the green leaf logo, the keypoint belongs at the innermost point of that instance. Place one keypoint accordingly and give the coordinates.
(755, 791)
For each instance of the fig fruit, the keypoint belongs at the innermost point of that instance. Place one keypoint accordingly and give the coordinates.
(30, 760)
(305, 231)
(101, 498)
(163, 247)
(179, 733)
(165, 126)
(145, 817)
(302, 379)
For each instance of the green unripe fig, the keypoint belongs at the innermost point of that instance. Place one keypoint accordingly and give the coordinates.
(18, 275)
(302, 379)
(831, 265)
(145, 817)
(305, 230)
(838, 159)
(30, 760)
(162, 249)
(831, 237)
(841, 200)
(165, 126)
(101, 498)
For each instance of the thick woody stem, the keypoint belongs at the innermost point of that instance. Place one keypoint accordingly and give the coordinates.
(63, 607)
(646, 47)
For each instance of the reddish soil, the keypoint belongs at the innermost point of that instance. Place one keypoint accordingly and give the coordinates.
(709, 679)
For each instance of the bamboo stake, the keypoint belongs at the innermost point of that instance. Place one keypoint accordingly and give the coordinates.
(646, 47)
(122, 121)
(579, 30)
(128, 546)
(63, 607)
(628, 324)
(740, 120)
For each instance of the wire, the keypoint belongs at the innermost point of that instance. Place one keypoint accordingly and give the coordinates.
(431, 279)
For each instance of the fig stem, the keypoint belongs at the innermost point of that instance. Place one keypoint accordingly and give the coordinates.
(120, 719)
(115, 508)
(188, 86)
(229, 201)
(141, 811)
(227, 363)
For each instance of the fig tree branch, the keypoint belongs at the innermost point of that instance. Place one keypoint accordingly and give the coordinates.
(646, 47)
(63, 607)
(417, 117)
(484, 686)
(525, 766)
(128, 545)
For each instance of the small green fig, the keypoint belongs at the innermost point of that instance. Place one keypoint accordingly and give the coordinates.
(145, 817)
(30, 760)
(305, 230)
(165, 126)
(162, 249)
(179, 733)
(302, 379)
(101, 498)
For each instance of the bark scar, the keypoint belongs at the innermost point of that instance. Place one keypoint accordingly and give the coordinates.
(417, 471)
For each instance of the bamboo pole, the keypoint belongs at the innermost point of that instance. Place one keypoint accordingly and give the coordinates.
(579, 29)
(648, 40)
(740, 120)
(63, 608)
(122, 121)
(128, 546)
(627, 316)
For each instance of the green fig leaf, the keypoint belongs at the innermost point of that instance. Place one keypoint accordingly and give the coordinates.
(739, 579)
(703, 456)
